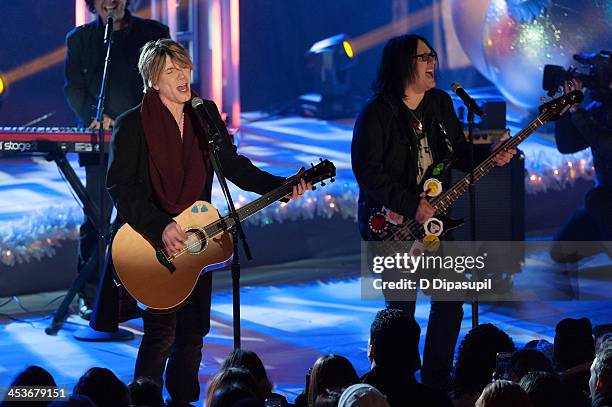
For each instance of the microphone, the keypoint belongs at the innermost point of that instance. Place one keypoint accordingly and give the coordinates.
(469, 102)
(198, 104)
(208, 110)
(108, 29)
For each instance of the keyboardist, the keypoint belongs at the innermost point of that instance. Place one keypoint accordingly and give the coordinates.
(84, 66)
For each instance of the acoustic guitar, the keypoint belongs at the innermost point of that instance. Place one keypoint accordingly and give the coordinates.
(161, 282)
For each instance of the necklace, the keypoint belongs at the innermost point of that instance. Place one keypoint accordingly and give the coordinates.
(418, 125)
(180, 124)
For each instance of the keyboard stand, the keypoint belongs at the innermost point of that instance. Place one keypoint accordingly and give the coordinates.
(92, 212)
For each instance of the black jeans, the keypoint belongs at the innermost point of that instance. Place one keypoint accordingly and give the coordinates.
(89, 237)
(442, 332)
(175, 338)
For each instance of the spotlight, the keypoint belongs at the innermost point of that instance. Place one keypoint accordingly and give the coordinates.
(2, 88)
(329, 62)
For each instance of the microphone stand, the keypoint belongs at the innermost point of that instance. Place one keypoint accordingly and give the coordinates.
(88, 334)
(102, 241)
(472, 109)
(472, 192)
(216, 132)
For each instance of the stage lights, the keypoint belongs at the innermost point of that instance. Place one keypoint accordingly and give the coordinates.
(348, 48)
(336, 43)
(329, 62)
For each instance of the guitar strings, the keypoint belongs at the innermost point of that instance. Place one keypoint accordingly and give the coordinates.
(282, 190)
(408, 230)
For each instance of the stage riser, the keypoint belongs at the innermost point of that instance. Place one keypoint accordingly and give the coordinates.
(49, 274)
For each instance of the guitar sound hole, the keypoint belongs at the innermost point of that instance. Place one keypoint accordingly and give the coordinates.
(196, 241)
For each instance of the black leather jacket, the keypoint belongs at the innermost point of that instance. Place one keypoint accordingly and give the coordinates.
(384, 152)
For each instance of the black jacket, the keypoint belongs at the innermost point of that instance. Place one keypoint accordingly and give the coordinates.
(402, 390)
(129, 186)
(85, 57)
(384, 151)
(589, 128)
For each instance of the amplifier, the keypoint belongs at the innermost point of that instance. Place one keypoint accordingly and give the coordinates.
(500, 204)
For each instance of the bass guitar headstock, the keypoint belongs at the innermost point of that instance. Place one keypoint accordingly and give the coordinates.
(554, 109)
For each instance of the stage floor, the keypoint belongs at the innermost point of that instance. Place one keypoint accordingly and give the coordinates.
(291, 314)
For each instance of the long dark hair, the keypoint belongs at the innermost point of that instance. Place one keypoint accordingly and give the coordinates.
(397, 67)
(248, 360)
(476, 358)
(330, 372)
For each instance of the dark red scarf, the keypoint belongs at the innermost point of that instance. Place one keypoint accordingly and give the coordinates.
(177, 168)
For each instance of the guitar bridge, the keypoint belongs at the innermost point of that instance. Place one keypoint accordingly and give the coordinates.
(164, 261)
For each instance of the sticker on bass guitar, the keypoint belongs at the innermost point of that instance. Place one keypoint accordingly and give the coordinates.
(431, 243)
(380, 220)
(377, 223)
(432, 187)
(433, 226)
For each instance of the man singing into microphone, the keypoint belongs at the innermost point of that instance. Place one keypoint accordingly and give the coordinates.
(407, 126)
(159, 165)
(85, 56)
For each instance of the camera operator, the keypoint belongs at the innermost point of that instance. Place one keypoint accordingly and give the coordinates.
(581, 128)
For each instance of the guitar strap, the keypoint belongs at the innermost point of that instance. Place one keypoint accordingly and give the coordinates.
(436, 127)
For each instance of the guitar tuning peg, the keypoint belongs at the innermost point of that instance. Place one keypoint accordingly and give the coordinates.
(320, 159)
(323, 183)
(332, 179)
(312, 165)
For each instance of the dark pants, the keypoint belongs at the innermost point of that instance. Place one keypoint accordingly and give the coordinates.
(442, 332)
(175, 338)
(89, 237)
(592, 223)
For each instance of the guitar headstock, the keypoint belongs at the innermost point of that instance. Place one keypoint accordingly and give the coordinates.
(557, 107)
(325, 169)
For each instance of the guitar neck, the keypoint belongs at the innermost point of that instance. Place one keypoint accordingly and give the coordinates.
(444, 201)
(227, 222)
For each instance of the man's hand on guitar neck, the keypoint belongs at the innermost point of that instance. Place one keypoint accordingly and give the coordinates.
(503, 157)
(299, 189)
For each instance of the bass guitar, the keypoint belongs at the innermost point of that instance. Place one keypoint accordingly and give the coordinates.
(427, 236)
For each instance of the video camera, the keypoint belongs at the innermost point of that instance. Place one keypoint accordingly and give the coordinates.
(597, 80)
